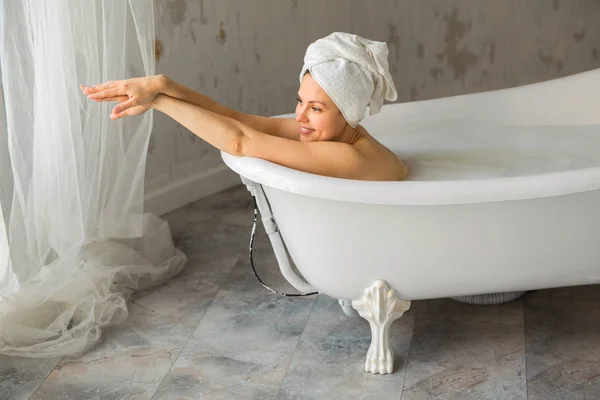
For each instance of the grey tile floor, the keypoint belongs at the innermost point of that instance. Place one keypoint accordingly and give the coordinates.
(214, 333)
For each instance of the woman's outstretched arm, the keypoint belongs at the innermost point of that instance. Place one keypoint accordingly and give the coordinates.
(222, 132)
(153, 85)
(181, 92)
(233, 136)
(282, 127)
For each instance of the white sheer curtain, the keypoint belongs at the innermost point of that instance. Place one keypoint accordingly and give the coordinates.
(77, 242)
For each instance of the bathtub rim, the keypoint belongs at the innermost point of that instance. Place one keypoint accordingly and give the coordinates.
(441, 192)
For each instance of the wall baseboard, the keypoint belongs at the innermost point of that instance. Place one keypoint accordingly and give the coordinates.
(185, 191)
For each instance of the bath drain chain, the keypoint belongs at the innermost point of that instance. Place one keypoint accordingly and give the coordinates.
(252, 260)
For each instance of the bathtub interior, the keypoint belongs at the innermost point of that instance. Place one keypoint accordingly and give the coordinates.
(439, 150)
(541, 128)
(463, 151)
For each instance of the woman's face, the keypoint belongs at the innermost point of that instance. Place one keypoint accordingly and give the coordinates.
(317, 114)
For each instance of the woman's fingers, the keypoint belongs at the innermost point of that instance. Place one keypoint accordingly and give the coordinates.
(88, 89)
(137, 110)
(106, 93)
(119, 91)
(125, 105)
(118, 99)
(120, 110)
(115, 91)
(117, 116)
(99, 87)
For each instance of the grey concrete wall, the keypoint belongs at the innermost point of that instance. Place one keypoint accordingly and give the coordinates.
(248, 54)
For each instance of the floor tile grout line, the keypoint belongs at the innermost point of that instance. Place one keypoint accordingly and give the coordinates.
(287, 369)
(523, 304)
(219, 289)
(412, 334)
(183, 347)
(45, 379)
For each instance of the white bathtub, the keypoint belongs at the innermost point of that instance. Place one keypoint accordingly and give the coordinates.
(503, 196)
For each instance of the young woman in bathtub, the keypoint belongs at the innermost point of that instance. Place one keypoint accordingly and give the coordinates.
(342, 75)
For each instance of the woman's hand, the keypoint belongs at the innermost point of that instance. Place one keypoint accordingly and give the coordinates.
(135, 96)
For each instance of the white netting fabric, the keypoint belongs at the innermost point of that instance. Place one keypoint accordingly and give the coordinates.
(77, 242)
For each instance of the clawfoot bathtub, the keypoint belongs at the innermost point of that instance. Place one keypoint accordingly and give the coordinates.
(503, 196)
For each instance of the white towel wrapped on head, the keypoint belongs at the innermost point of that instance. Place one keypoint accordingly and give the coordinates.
(353, 71)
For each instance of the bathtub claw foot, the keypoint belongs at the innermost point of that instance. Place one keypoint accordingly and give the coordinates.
(380, 306)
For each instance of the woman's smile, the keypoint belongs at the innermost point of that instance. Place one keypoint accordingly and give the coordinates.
(305, 131)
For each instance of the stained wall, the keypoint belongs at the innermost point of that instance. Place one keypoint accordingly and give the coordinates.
(248, 54)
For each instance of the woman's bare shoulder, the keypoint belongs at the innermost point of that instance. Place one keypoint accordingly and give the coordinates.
(385, 164)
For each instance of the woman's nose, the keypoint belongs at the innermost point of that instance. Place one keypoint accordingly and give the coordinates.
(300, 114)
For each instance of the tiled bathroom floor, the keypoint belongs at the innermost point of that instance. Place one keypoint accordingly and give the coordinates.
(214, 332)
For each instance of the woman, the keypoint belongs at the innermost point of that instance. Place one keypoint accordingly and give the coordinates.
(342, 75)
